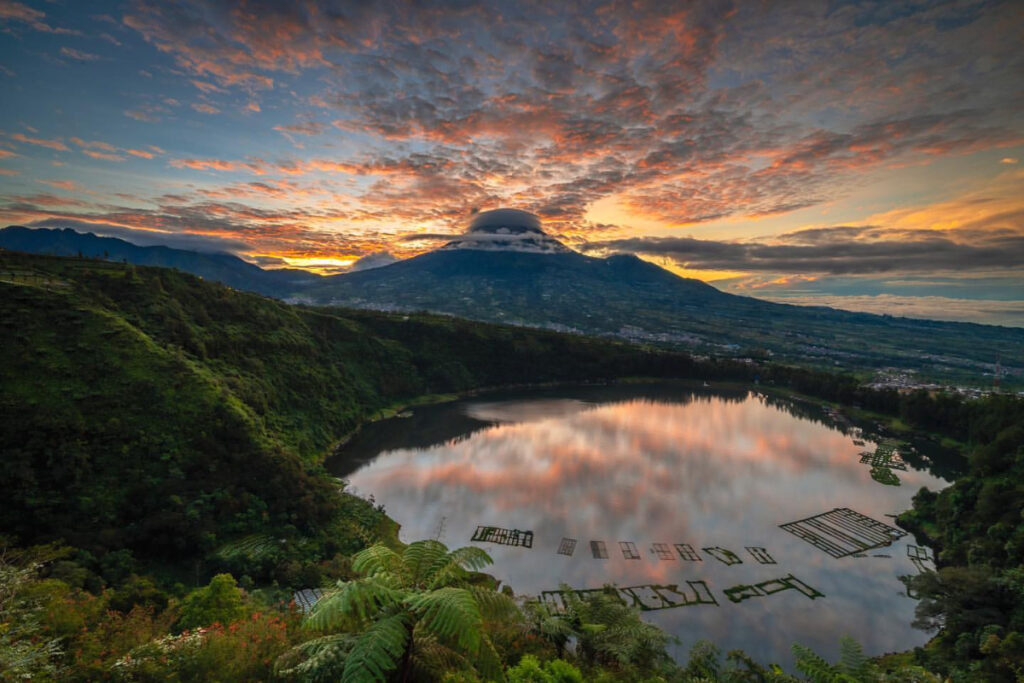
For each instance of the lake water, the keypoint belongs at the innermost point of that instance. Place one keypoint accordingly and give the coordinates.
(657, 464)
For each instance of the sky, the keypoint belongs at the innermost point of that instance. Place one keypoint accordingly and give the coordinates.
(864, 155)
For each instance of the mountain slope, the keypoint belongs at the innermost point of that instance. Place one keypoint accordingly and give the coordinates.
(509, 270)
(627, 297)
(568, 288)
(221, 267)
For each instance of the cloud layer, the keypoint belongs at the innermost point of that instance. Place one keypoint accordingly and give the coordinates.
(840, 250)
(330, 130)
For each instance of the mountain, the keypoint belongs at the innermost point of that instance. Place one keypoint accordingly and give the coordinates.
(506, 269)
(220, 267)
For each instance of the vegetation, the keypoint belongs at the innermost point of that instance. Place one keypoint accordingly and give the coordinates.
(149, 413)
(160, 432)
(621, 296)
(417, 614)
(605, 634)
(975, 601)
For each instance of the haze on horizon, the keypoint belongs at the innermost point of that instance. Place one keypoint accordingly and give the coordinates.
(863, 155)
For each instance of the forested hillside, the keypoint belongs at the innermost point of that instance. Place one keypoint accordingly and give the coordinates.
(151, 410)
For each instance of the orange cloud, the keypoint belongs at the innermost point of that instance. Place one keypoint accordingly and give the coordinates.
(16, 11)
(78, 55)
(140, 115)
(105, 156)
(218, 165)
(94, 144)
(56, 144)
(206, 87)
(68, 185)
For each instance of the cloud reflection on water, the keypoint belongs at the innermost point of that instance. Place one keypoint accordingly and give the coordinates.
(709, 472)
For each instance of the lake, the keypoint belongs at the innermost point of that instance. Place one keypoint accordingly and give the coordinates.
(709, 476)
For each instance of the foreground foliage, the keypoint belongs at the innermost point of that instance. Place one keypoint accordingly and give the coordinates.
(416, 613)
(975, 601)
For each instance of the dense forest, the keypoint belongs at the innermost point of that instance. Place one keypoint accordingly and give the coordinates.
(162, 439)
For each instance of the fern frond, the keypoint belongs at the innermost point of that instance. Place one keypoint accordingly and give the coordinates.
(431, 659)
(364, 533)
(488, 661)
(494, 605)
(358, 600)
(852, 660)
(420, 558)
(454, 567)
(555, 627)
(618, 649)
(450, 613)
(377, 650)
(253, 546)
(814, 666)
(321, 658)
(375, 559)
(470, 558)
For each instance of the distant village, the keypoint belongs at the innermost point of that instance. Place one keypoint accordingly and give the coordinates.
(907, 380)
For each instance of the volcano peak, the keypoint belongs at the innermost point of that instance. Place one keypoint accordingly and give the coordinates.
(507, 230)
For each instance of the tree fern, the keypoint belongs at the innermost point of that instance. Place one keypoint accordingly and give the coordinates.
(377, 650)
(607, 632)
(318, 659)
(431, 658)
(853, 661)
(452, 614)
(454, 566)
(488, 661)
(815, 667)
(411, 611)
(853, 665)
(494, 605)
(420, 558)
(470, 558)
(375, 559)
(360, 599)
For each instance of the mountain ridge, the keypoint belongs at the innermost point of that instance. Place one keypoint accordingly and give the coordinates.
(220, 266)
(619, 296)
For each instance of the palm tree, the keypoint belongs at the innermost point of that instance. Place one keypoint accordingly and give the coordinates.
(413, 614)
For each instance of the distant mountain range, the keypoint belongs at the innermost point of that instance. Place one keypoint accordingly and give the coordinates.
(220, 267)
(506, 269)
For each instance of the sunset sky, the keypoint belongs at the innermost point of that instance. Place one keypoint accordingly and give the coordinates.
(865, 155)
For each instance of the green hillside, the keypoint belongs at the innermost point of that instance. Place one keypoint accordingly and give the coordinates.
(149, 409)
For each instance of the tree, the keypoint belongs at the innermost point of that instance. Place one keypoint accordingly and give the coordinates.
(220, 601)
(530, 670)
(854, 667)
(607, 634)
(413, 614)
(26, 650)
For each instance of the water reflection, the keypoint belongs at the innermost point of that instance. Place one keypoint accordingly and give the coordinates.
(714, 475)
